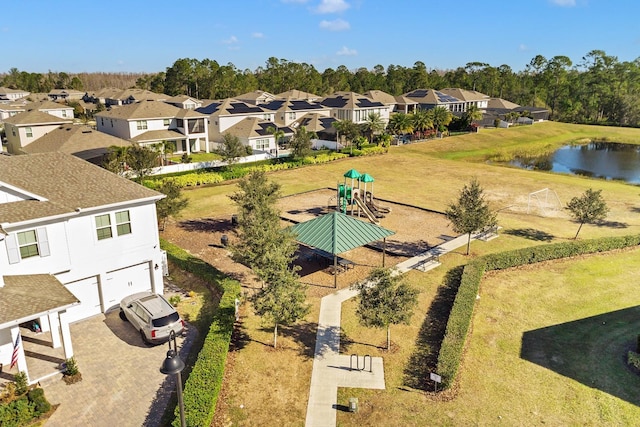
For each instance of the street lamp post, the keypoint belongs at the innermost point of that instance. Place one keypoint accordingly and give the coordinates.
(174, 365)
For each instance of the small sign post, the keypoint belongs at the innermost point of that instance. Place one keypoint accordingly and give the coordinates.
(436, 380)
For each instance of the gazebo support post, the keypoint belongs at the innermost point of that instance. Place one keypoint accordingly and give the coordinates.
(384, 250)
(335, 271)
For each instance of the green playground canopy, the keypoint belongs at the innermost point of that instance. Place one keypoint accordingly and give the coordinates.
(365, 177)
(352, 173)
(337, 233)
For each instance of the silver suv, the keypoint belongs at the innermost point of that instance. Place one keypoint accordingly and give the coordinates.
(152, 316)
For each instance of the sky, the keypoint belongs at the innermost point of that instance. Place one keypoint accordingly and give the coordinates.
(150, 35)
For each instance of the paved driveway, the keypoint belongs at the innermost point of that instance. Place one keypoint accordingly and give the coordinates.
(121, 380)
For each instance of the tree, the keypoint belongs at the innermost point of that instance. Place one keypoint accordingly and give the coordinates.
(268, 250)
(441, 117)
(421, 121)
(172, 204)
(301, 142)
(471, 212)
(588, 208)
(400, 124)
(116, 160)
(231, 148)
(385, 300)
(262, 244)
(277, 135)
(472, 114)
(141, 160)
(373, 124)
(282, 302)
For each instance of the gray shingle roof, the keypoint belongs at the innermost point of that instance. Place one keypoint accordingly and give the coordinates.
(141, 111)
(35, 117)
(27, 295)
(66, 182)
(76, 140)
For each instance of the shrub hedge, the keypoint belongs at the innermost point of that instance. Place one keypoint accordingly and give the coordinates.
(633, 359)
(24, 409)
(203, 385)
(451, 350)
(209, 176)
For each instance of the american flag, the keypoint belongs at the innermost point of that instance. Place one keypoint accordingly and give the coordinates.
(16, 349)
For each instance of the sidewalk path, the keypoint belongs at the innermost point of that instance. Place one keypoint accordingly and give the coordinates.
(332, 370)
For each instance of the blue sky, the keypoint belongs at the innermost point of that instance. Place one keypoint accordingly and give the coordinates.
(148, 36)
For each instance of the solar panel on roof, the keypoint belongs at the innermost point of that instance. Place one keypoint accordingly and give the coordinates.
(418, 93)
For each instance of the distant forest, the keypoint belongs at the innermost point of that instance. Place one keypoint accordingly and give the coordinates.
(599, 89)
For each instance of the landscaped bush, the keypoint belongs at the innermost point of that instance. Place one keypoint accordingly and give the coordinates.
(452, 347)
(22, 410)
(368, 151)
(204, 382)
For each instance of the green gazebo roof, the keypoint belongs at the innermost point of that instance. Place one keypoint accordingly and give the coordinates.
(336, 233)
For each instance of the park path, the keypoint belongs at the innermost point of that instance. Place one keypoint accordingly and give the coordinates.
(331, 369)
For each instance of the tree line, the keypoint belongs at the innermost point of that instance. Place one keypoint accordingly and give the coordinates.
(597, 89)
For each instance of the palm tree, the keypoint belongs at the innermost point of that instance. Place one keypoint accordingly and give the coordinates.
(400, 123)
(277, 134)
(340, 126)
(472, 114)
(373, 124)
(422, 121)
(441, 117)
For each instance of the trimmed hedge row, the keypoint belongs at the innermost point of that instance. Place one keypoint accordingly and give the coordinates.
(208, 176)
(203, 385)
(451, 350)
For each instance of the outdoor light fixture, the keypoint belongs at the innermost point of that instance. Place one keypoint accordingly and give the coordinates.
(173, 365)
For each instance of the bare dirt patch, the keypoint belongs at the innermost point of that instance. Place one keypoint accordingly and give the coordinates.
(416, 230)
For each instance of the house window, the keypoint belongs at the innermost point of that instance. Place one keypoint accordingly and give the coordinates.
(141, 124)
(28, 244)
(64, 113)
(102, 121)
(262, 144)
(103, 227)
(123, 223)
(29, 132)
(292, 116)
(166, 122)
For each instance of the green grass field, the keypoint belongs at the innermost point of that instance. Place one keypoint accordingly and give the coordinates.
(538, 352)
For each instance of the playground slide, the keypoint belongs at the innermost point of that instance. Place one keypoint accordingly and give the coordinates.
(366, 210)
(372, 203)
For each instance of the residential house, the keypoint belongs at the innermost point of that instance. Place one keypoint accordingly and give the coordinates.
(54, 108)
(66, 95)
(74, 240)
(224, 114)
(498, 111)
(10, 110)
(156, 122)
(114, 96)
(11, 95)
(299, 95)
(254, 132)
(256, 97)
(288, 110)
(469, 97)
(184, 102)
(354, 106)
(318, 123)
(78, 140)
(26, 127)
(427, 99)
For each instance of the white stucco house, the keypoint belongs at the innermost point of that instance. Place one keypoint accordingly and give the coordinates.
(154, 122)
(74, 240)
(354, 106)
(26, 127)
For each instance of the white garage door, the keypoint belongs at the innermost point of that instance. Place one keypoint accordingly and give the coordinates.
(86, 290)
(126, 281)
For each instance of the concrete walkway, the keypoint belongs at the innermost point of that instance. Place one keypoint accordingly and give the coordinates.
(332, 370)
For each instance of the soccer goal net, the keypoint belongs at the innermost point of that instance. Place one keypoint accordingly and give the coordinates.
(545, 202)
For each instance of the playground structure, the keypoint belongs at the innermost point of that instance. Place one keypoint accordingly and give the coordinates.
(358, 200)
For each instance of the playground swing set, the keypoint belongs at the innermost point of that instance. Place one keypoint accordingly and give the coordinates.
(358, 201)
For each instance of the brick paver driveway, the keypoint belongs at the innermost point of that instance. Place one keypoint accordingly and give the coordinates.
(121, 380)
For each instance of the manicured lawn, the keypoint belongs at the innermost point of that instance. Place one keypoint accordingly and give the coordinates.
(548, 347)
(267, 387)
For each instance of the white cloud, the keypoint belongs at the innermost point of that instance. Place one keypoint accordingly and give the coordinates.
(523, 47)
(295, 1)
(564, 3)
(332, 6)
(335, 25)
(257, 35)
(230, 40)
(345, 51)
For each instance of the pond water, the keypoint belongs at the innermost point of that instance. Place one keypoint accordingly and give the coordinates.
(605, 160)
